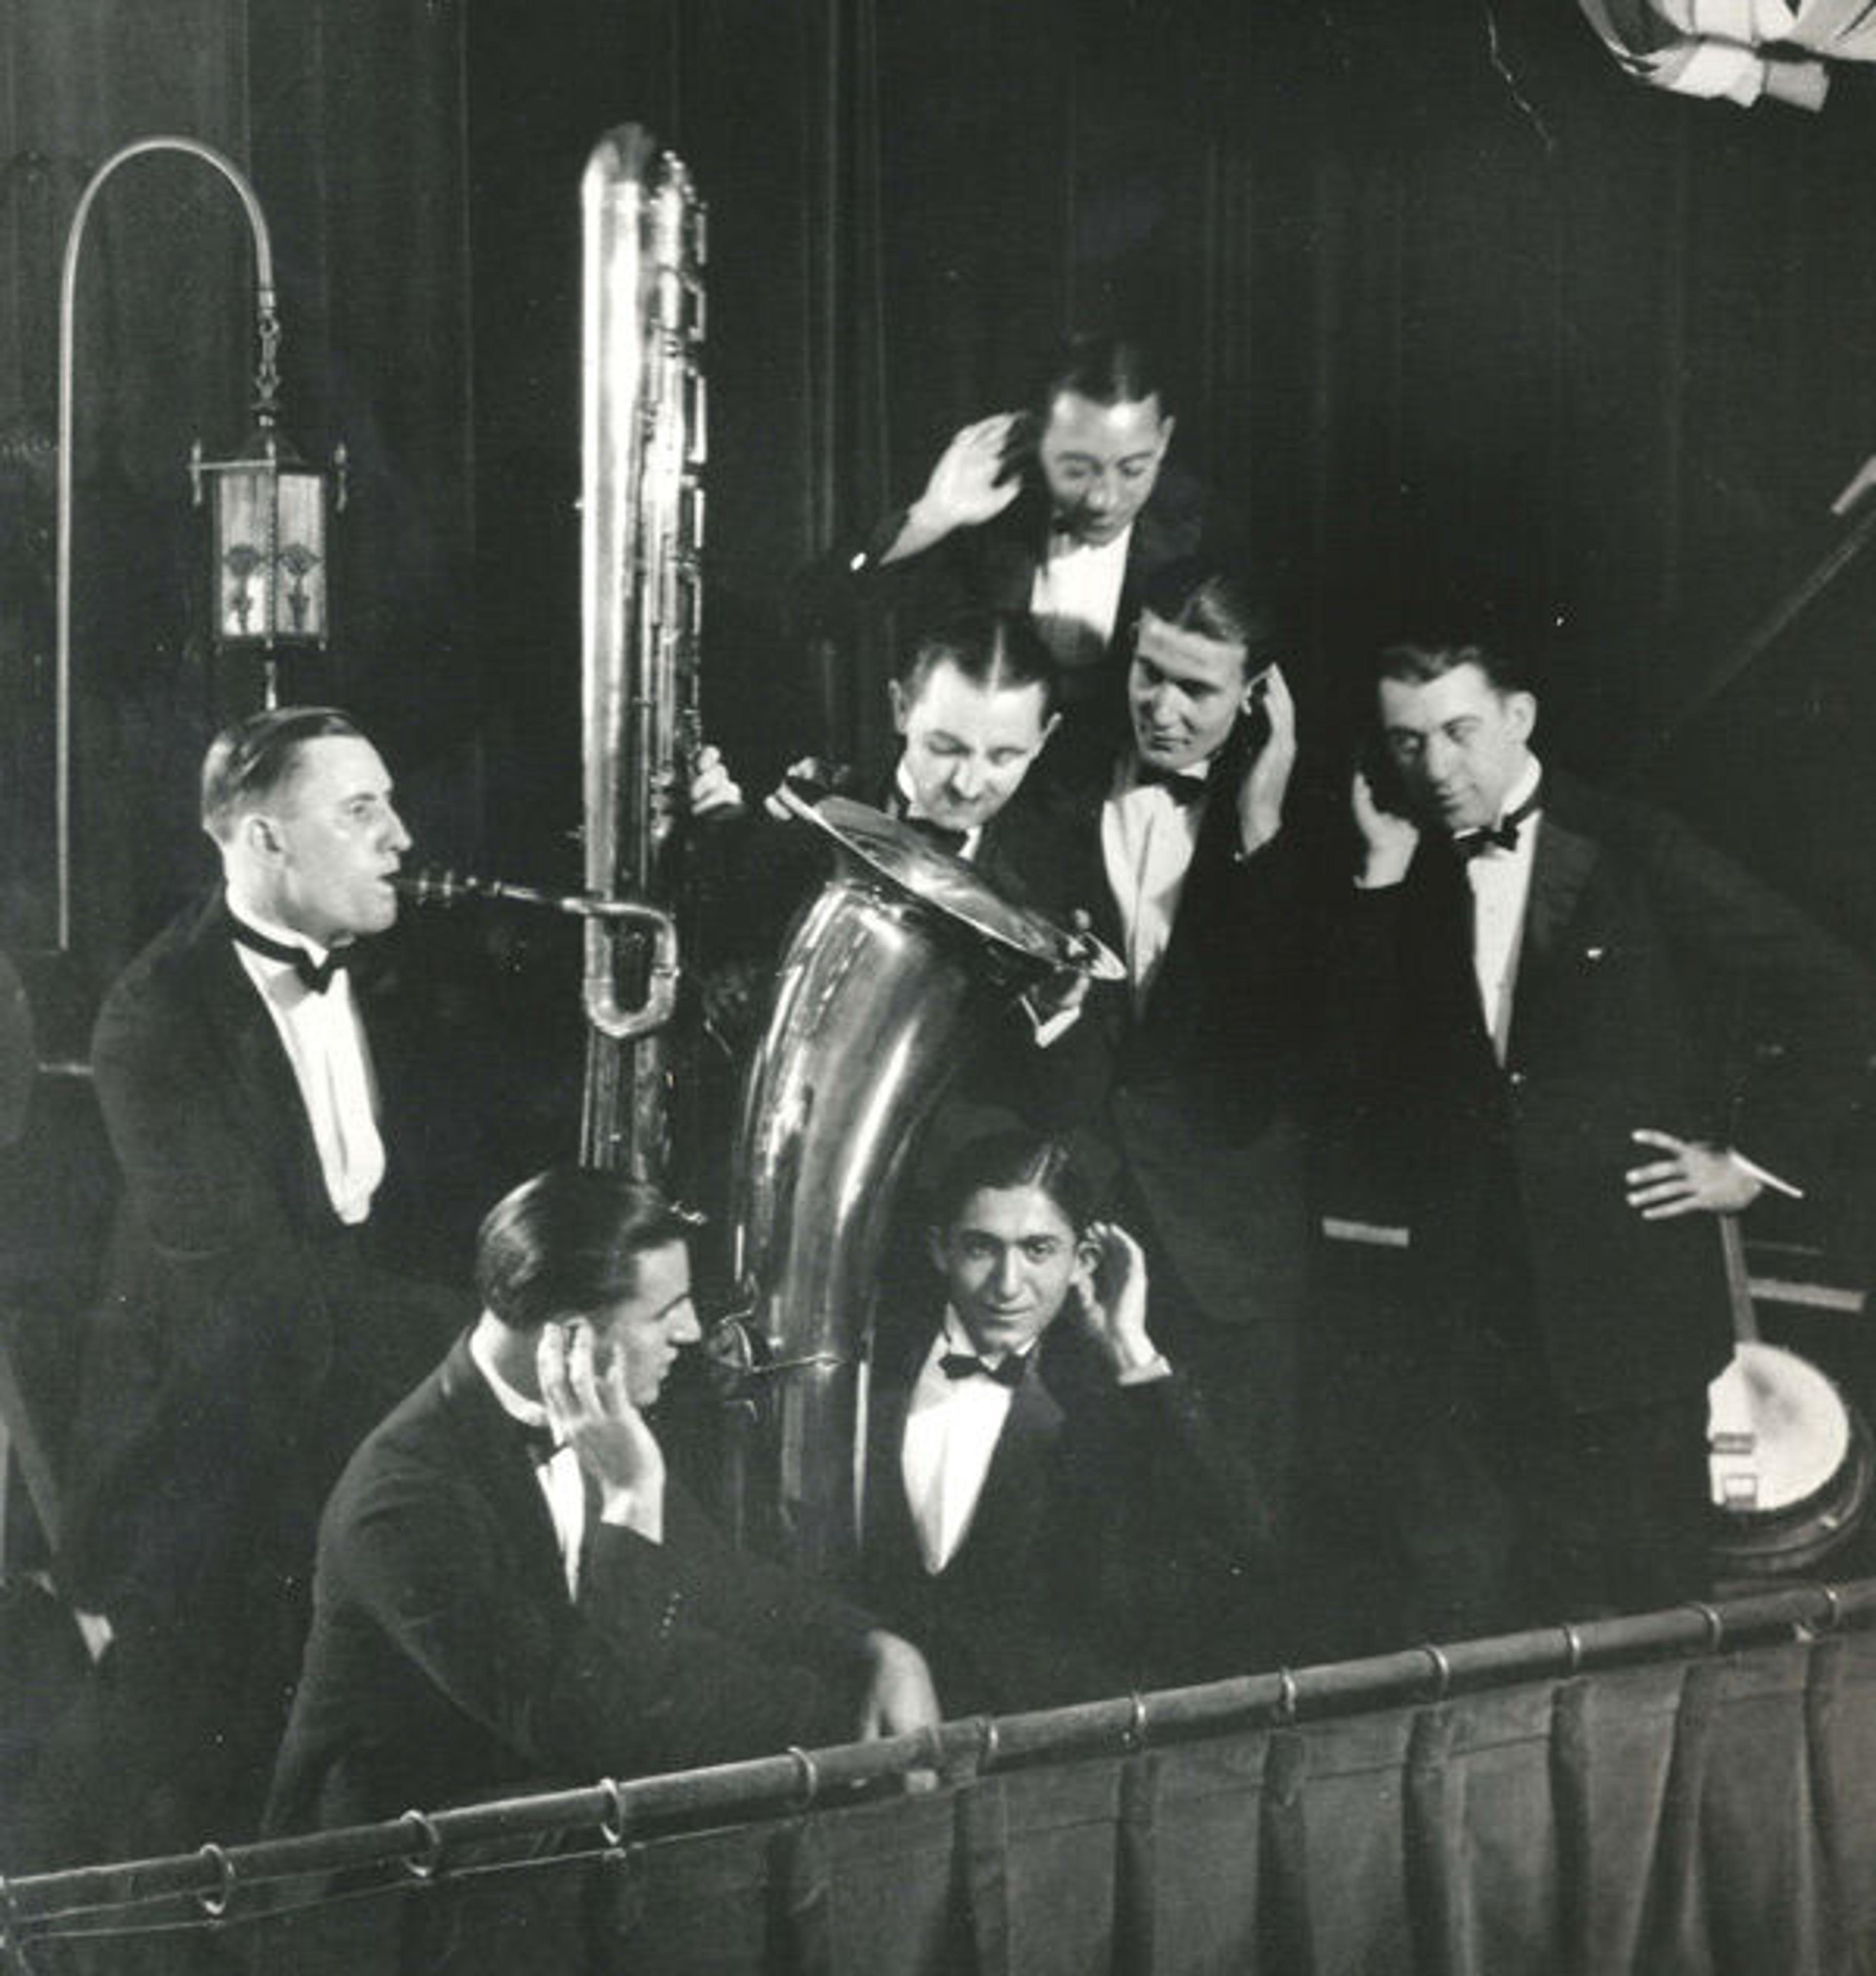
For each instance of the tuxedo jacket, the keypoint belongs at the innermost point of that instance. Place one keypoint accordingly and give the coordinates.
(992, 567)
(1202, 1095)
(1118, 1541)
(1657, 985)
(447, 1660)
(246, 1337)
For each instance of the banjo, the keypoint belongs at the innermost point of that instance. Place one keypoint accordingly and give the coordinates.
(1790, 1459)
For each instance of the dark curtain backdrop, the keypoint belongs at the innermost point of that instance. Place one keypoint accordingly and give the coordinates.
(1455, 304)
(1460, 311)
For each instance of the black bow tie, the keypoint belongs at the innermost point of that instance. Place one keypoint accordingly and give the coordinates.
(1181, 785)
(939, 834)
(1008, 1371)
(1501, 836)
(317, 974)
(539, 1440)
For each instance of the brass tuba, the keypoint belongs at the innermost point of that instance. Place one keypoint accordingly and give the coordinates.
(905, 959)
(642, 452)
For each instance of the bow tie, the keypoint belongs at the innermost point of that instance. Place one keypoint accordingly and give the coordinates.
(1008, 1371)
(316, 974)
(941, 835)
(540, 1441)
(1181, 785)
(1501, 836)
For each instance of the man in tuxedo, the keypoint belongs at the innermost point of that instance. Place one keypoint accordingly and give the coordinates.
(1555, 996)
(512, 1594)
(250, 1329)
(972, 705)
(1062, 512)
(1050, 1510)
(1189, 870)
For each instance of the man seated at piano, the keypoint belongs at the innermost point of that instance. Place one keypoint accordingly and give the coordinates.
(1049, 1510)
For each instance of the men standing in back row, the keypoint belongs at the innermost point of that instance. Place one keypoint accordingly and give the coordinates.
(1191, 872)
(1063, 511)
(1551, 993)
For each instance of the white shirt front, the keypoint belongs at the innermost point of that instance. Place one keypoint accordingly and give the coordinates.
(1147, 841)
(324, 1043)
(1075, 596)
(560, 1479)
(952, 1427)
(1501, 883)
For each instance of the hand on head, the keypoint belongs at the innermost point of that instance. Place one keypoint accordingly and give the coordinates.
(588, 1407)
(1389, 840)
(971, 483)
(1267, 775)
(1112, 1296)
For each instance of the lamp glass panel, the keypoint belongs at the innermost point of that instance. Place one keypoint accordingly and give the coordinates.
(243, 512)
(299, 591)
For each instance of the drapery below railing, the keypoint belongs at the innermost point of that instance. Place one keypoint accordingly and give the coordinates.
(1711, 1806)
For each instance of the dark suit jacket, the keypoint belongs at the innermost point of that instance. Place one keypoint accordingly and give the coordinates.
(1658, 985)
(993, 567)
(247, 1338)
(447, 1662)
(1201, 1097)
(1118, 1542)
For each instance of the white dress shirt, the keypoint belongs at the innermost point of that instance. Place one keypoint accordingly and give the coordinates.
(1501, 883)
(1147, 841)
(561, 1482)
(1075, 596)
(952, 1427)
(325, 1044)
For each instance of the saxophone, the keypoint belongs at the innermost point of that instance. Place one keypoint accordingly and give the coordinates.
(643, 449)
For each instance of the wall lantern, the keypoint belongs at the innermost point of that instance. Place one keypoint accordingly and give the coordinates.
(267, 510)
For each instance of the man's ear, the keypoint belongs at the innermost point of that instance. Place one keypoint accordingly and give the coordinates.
(1087, 1264)
(934, 1248)
(260, 834)
(1521, 711)
(897, 699)
(1166, 431)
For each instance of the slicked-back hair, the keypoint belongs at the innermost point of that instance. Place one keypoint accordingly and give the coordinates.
(567, 1242)
(999, 650)
(1191, 596)
(1105, 368)
(1417, 661)
(255, 759)
(1006, 1159)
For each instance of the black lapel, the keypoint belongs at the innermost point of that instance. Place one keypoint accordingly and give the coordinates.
(261, 1078)
(1561, 866)
(899, 1352)
(494, 1458)
(1014, 1496)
